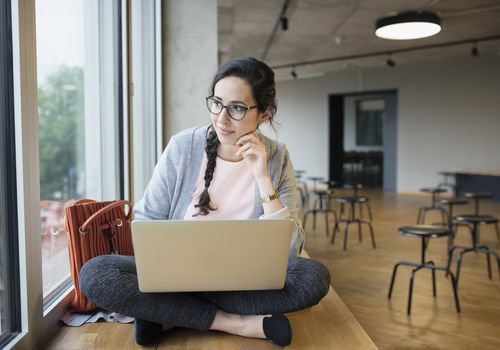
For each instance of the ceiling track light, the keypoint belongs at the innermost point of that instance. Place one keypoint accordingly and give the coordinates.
(284, 23)
(389, 61)
(281, 19)
(408, 25)
(474, 51)
(385, 53)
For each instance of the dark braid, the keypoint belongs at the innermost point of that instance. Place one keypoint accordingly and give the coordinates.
(211, 150)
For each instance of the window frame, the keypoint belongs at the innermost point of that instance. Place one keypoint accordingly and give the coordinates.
(8, 214)
(145, 110)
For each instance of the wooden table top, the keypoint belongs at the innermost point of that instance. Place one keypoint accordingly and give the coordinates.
(471, 172)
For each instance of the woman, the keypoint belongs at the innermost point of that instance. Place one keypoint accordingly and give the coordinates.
(227, 170)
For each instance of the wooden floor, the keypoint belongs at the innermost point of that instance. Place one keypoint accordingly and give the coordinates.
(361, 277)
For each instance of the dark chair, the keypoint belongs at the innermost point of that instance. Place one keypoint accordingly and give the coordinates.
(433, 207)
(425, 232)
(301, 186)
(450, 202)
(352, 219)
(477, 197)
(473, 222)
(322, 205)
(311, 190)
(362, 202)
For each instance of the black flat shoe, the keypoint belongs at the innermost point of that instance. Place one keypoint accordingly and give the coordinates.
(277, 329)
(146, 332)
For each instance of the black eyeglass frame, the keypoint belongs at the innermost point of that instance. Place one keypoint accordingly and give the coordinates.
(208, 98)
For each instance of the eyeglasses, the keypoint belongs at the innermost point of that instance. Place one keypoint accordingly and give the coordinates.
(235, 111)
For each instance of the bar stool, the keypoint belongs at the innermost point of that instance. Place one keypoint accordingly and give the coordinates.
(475, 221)
(477, 197)
(423, 210)
(322, 205)
(351, 201)
(363, 201)
(425, 232)
(311, 192)
(450, 202)
(301, 186)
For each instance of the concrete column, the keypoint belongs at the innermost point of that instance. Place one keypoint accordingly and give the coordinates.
(189, 61)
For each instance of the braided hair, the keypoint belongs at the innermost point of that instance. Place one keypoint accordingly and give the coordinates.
(211, 150)
(261, 78)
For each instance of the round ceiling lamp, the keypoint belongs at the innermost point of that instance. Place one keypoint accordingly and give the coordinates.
(408, 25)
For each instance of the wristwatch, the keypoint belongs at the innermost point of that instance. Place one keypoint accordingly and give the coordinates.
(270, 197)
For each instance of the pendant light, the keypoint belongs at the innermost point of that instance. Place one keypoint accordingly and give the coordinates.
(408, 25)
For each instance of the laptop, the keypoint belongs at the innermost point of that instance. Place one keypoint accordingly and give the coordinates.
(229, 255)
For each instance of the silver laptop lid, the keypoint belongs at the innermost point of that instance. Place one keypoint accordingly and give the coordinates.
(175, 256)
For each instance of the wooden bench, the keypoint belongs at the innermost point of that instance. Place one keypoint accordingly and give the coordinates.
(328, 325)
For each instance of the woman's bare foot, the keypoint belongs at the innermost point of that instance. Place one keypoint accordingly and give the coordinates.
(275, 328)
(246, 326)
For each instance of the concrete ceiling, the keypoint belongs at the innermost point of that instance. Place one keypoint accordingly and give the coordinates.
(320, 29)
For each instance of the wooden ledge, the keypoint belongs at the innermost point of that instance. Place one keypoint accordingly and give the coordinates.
(328, 325)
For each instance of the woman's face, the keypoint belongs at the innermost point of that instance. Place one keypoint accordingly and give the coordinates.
(235, 91)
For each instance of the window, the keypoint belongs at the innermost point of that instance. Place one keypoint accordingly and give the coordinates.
(369, 122)
(9, 252)
(79, 114)
(69, 92)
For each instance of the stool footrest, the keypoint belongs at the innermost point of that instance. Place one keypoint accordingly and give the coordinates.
(418, 266)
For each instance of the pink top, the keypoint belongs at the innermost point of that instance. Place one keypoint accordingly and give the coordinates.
(232, 192)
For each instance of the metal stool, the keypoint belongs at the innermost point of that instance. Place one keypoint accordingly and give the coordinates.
(364, 201)
(477, 197)
(322, 205)
(450, 202)
(310, 192)
(425, 232)
(301, 186)
(423, 210)
(475, 221)
(352, 201)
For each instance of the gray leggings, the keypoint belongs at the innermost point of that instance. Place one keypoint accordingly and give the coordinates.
(110, 282)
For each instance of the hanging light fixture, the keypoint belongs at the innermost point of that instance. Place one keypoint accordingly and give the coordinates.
(408, 25)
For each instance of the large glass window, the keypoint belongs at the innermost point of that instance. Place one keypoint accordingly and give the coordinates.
(79, 89)
(369, 122)
(9, 252)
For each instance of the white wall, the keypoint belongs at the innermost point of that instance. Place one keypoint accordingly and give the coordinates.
(448, 117)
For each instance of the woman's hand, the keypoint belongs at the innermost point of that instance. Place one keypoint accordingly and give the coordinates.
(255, 154)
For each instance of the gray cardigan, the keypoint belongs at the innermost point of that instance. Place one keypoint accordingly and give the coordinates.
(171, 187)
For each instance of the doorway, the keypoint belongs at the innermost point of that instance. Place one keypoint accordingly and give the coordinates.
(363, 138)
